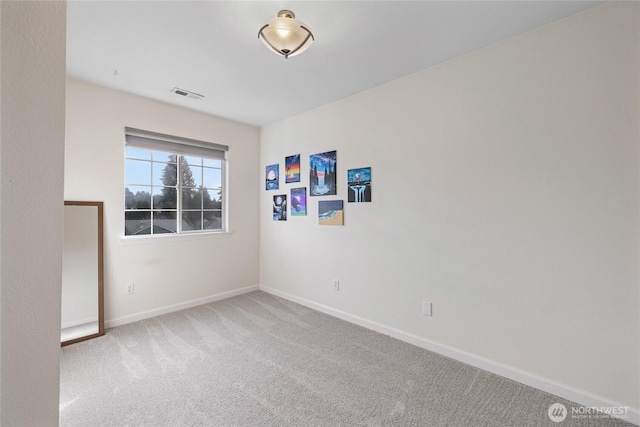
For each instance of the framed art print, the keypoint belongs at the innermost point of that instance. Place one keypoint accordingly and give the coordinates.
(292, 168)
(322, 174)
(280, 207)
(271, 177)
(359, 183)
(331, 212)
(298, 201)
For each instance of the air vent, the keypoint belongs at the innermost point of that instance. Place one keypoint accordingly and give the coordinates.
(186, 93)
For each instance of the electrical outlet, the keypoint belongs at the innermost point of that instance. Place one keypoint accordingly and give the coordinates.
(128, 289)
(336, 285)
(426, 308)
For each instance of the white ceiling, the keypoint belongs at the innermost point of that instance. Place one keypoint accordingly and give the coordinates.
(211, 47)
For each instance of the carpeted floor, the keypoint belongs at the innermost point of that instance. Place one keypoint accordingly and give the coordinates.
(259, 360)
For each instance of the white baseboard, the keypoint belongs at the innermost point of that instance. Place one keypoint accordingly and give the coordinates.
(564, 391)
(79, 322)
(112, 323)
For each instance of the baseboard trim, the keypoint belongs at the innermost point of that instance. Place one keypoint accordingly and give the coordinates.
(79, 322)
(564, 391)
(112, 323)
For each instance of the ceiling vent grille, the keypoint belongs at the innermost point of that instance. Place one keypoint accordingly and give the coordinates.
(186, 93)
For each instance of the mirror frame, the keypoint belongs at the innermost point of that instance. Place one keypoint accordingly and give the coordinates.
(100, 283)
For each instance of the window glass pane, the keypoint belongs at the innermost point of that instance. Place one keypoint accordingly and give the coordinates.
(165, 174)
(212, 220)
(193, 161)
(191, 176)
(186, 175)
(137, 153)
(192, 220)
(161, 156)
(165, 222)
(165, 198)
(137, 223)
(138, 172)
(212, 199)
(191, 199)
(212, 162)
(212, 178)
(137, 197)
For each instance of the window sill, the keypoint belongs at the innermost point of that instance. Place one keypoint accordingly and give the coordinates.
(166, 238)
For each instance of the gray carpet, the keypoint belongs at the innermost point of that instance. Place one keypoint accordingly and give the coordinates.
(259, 360)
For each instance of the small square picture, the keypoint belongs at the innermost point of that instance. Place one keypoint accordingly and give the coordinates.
(330, 212)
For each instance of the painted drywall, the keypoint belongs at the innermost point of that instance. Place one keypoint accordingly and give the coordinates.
(165, 272)
(32, 82)
(504, 191)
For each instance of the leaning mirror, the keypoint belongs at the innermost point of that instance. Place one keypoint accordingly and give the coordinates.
(82, 273)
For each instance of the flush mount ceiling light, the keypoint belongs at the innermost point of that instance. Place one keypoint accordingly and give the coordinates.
(285, 35)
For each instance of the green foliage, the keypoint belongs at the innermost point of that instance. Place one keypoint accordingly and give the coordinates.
(139, 200)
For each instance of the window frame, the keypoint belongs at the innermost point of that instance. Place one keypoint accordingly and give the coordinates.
(180, 147)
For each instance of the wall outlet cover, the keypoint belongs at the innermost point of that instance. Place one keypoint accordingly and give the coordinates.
(427, 308)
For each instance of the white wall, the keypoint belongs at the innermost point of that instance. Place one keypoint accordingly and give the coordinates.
(505, 191)
(32, 83)
(172, 272)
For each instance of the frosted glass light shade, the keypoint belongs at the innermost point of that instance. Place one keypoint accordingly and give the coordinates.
(285, 35)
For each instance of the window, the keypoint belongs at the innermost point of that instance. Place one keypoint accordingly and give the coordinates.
(172, 184)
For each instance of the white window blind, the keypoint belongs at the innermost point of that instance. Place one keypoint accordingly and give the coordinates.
(173, 144)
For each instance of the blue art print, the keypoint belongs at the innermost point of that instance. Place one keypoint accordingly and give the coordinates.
(331, 212)
(280, 207)
(292, 168)
(271, 177)
(322, 174)
(298, 201)
(359, 183)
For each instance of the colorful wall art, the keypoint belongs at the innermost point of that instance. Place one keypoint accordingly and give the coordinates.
(298, 201)
(359, 183)
(322, 174)
(292, 168)
(331, 212)
(271, 177)
(280, 207)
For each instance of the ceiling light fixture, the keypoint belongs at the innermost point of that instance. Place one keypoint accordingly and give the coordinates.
(285, 35)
